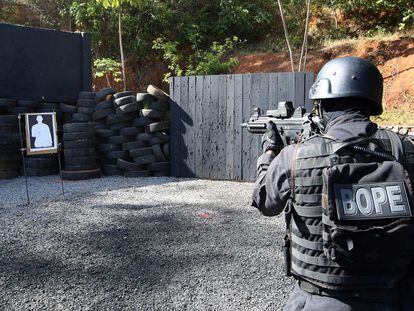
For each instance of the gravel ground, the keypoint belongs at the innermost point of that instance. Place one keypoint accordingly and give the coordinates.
(138, 244)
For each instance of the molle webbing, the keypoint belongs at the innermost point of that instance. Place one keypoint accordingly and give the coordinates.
(307, 234)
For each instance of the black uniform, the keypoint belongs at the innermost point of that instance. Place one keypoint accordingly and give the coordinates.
(324, 285)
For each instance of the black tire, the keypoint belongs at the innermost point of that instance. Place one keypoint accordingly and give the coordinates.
(9, 174)
(10, 148)
(123, 94)
(81, 175)
(117, 155)
(155, 140)
(158, 166)
(78, 127)
(146, 137)
(106, 104)
(157, 126)
(79, 144)
(28, 103)
(128, 166)
(41, 163)
(85, 110)
(9, 119)
(124, 100)
(87, 160)
(9, 138)
(106, 161)
(49, 106)
(166, 150)
(128, 108)
(78, 136)
(67, 108)
(105, 148)
(139, 122)
(84, 152)
(144, 160)
(158, 93)
(9, 165)
(133, 145)
(39, 171)
(98, 125)
(86, 103)
(80, 117)
(120, 139)
(160, 106)
(118, 118)
(18, 110)
(163, 136)
(145, 97)
(139, 152)
(87, 95)
(165, 173)
(118, 126)
(150, 113)
(157, 151)
(111, 170)
(104, 133)
(100, 114)
(102, 94)
(81, 167)
(7, 102)
(137, 174)
(129, 131)
(9, 128)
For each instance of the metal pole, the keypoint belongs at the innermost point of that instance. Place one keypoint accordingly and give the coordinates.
(22, 149)
(60, 169)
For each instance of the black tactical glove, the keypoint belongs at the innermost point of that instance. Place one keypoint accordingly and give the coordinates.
(271, 140)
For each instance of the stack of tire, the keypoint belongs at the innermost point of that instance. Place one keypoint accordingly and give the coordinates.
(85, 107)
(114, 128)
(153, 154)
(79, 152)
(68, 109)
(9, 141)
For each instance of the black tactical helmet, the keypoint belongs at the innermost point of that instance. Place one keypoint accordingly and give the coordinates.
(349, 77)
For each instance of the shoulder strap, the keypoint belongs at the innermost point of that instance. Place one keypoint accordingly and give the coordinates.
(396, 145)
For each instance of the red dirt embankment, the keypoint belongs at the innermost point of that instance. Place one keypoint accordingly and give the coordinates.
(394, 58)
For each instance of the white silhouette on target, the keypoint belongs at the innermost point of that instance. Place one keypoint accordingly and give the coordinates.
(41, 133)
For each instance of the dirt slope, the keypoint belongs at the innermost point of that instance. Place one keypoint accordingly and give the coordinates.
(394, 57)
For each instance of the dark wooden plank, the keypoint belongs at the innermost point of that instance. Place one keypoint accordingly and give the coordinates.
(206, 127)
(282, 86)
(198, 126)
(247, 138)
(290, 85)
(175, 145)
(230, 127)
(273, 91)
(239, 132)
(189, 121)
(299, 96)
(183, 126)
(308, 83)
(222, 111)
(214, 133)
(256, 102)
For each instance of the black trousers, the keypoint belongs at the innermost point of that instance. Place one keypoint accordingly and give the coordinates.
(302, 300)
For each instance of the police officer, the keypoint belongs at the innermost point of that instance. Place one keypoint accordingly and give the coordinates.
(350, 248)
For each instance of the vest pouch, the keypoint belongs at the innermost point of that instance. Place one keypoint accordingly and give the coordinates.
(366, 214)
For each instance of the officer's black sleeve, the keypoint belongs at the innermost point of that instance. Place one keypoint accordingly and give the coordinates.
(272, 187)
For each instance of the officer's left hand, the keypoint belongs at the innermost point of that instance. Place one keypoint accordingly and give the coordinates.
(271, 140)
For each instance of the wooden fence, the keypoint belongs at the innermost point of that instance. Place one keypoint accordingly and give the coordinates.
(206, 138)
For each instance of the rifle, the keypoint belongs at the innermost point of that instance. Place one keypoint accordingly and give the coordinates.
(291, 123)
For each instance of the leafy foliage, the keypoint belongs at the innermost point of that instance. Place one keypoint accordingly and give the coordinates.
(106, 67)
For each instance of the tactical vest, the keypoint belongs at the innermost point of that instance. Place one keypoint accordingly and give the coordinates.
(349, 219)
